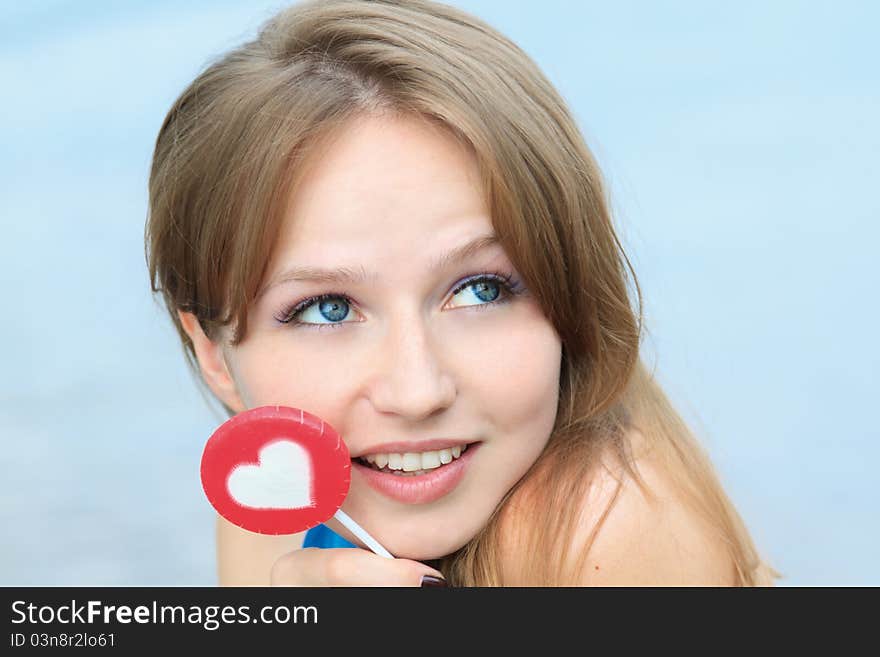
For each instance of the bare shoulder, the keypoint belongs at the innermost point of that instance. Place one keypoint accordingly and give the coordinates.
(245, 558)
(651, 539)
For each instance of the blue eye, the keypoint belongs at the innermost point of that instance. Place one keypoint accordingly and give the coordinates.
(333, 308)
(482, 289)
(329, 310)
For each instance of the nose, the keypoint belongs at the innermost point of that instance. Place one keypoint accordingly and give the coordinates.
(410, 379)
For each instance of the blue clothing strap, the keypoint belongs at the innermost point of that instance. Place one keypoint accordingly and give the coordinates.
(324, 537)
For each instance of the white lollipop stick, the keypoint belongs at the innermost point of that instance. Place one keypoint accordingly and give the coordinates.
(361, 533)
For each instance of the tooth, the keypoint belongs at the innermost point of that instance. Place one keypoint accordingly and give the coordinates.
(445, 456)
(395, 461)
(412, 462)
(381, 460)
(370, 458)
(430, 460)
(456, 451)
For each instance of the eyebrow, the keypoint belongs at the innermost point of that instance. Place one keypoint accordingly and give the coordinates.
(358, 275)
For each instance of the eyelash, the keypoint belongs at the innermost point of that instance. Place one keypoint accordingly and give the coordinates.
(510, 289)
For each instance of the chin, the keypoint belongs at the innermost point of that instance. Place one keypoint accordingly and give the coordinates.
(421, 551)
(424, 543)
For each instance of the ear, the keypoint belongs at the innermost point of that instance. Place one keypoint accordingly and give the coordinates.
(212, 363)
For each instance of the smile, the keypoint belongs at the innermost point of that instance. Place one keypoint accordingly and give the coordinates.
(412, 463)
(415, 477)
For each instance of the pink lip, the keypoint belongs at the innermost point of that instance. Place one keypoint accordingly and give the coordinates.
(418, 489)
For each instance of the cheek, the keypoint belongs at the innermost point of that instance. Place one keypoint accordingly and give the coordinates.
(520, 378)
(282, 372)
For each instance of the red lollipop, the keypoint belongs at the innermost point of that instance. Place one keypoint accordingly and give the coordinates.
(279, 470)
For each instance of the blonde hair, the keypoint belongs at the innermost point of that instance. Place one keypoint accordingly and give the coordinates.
(227, 157)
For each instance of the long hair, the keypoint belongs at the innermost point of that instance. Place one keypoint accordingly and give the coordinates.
(228, 155)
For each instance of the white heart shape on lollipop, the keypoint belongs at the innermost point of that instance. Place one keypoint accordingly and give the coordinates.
(282, 480)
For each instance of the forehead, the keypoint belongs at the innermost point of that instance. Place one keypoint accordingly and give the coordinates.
(384, 181)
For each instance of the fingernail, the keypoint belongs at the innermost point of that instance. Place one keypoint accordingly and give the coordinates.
(430, 580)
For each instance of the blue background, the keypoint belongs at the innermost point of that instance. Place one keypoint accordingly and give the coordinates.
(740, 142)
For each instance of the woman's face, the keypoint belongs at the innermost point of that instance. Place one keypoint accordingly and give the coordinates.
(388, 312)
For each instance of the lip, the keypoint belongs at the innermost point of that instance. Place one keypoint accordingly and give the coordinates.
(404, 446)
(418, 489)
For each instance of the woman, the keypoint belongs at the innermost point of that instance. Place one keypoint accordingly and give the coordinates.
(383, 213)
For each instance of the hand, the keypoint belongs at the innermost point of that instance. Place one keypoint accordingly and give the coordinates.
(347, 567)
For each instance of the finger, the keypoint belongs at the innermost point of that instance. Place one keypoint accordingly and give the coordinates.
(347, 567)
